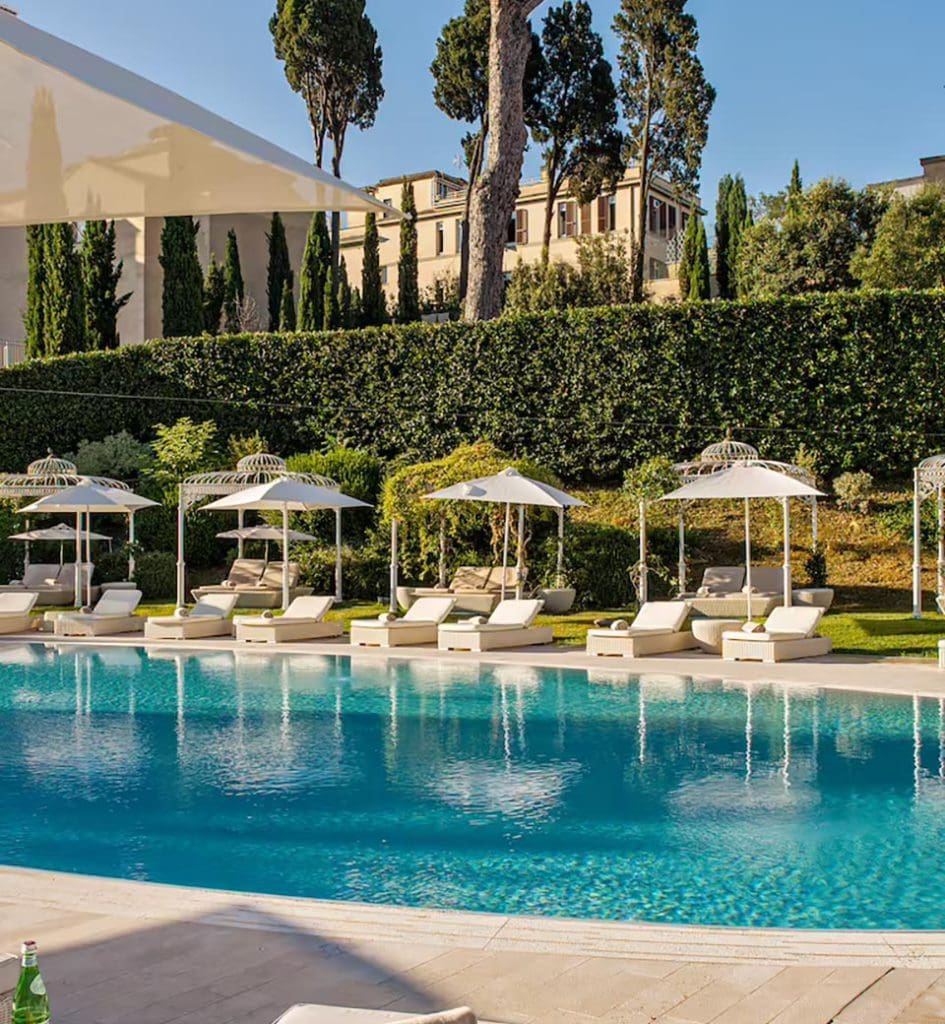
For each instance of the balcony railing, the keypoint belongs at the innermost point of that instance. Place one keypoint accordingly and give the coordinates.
(11, 353)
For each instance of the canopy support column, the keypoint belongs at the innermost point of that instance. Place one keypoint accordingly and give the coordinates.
(181, 568)
(339, 586)
(285, 557)
(240, 543)
(559, 575)
(916, 549)
(788, 588)
(505, 544)
(520, 560)
(748, 553)
(131, 545)
(644, 569)
(681, 567)
(392, 605)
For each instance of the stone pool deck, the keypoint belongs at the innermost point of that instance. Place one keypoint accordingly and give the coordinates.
(116, 951)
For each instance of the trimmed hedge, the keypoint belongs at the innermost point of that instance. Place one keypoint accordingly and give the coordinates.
(585, 392)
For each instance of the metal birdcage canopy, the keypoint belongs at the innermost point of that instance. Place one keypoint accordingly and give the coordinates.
(251, 471)
(716, 458)
(928, 480)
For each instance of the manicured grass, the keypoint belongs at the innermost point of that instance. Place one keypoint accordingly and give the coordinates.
(882, 634)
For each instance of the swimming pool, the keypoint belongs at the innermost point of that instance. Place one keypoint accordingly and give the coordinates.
(503, 788)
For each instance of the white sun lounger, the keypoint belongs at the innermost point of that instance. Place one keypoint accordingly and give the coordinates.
(510, 625)
(419, 625)
(303, 620)
(657, 629)
(208, 618)
(114, 614)
(789, 633)
(15, 612)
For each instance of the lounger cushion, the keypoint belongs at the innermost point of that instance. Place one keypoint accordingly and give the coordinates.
(668, 616)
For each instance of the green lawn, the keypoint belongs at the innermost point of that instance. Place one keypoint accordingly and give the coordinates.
(887, 634)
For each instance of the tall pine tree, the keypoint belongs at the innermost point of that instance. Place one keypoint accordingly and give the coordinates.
(287, 320)
(214, 295)
(182, 300)
(408, 285)
(687, 258)
(101, 274)
(723, 262)
(373, 302)
(63, 295)
(233, 291)
(35, 290)
(737, 220)
(700, 286)
(280, 267)
(315, 263)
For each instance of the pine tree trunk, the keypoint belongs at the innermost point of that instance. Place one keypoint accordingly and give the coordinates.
(494, 195)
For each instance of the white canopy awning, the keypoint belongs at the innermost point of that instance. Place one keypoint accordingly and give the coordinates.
(81, 138)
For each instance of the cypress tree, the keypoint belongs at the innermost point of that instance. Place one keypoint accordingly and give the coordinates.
(35, 288)
(373, 305)
(63, 297)
(331, 301)
(723, 239)
(315, 263)
(214, 295)
(182, 301)
(700, 286)
(280, 268)
(233, 291)
(101, 274)
(287, 321)
(737, 219)
(687, 258)
(344, 296)
(408, 287)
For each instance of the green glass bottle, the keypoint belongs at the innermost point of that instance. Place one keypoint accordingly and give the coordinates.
(30, 1002)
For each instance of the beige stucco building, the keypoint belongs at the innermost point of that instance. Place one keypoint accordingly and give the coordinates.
(440, 200)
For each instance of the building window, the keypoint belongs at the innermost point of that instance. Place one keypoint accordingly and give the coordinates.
(440, 238)
(521, 227)
(567, 220)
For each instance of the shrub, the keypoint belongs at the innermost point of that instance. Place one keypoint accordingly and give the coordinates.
(156, 575)
(365, 571)
(585, 392)
(854, 491)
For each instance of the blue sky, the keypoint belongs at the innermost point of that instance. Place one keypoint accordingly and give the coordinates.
(853, 88)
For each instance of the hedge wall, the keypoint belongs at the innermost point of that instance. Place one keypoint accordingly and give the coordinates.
(585, 392)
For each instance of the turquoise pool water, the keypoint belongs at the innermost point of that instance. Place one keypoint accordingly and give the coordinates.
(502, 789)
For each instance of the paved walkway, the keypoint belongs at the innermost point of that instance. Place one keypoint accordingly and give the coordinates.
(116, 952)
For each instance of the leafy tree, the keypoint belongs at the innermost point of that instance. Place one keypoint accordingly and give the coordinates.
(373, 305)
(495, 191)
(35, 288)
(63, 294)
(287, 319)
(809, 244)
(909, 250)
(214, 295)
(234, 291)
(280, 267)
(666, 101)
(101, 274)
(723, 261)
(316, 259)
(700, 277)
(573, 110)
(408, 286)
(182, 301)
(332, 59)
(689, 255)
(737, 222)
